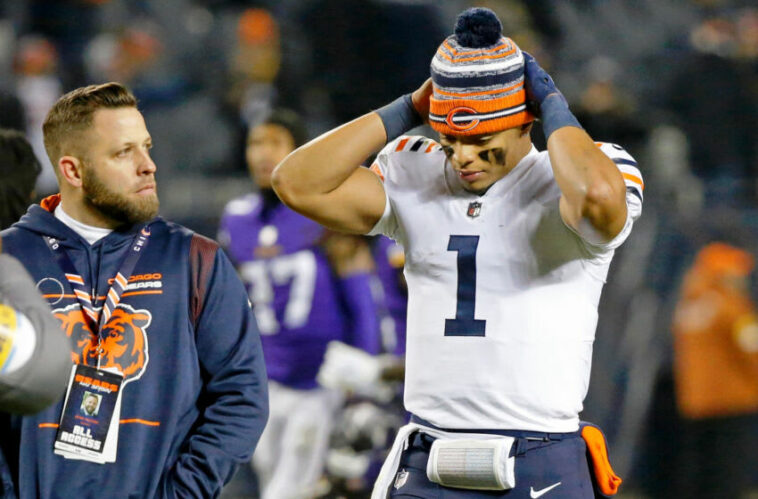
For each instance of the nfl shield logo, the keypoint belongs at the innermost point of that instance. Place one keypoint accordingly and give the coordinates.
(474, 209)
(402, 477)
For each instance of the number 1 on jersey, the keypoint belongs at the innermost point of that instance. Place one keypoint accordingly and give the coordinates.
(464, 323)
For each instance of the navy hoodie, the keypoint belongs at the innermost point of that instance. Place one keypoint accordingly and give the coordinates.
(194, 398)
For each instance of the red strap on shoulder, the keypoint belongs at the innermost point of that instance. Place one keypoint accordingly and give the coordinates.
(202, 255)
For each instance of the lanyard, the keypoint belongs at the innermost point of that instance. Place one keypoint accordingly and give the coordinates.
(94, 319)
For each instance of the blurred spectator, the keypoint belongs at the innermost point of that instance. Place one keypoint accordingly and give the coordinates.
(366, 53)
(717, 109)
(255, 65)
(19, 169)
(11, 112)
(674, 187)
(38, 87)
(139, 56)
(716, 374)
(136, 56)
(605, 110)
(747, 58)
(69, 25)
(747, 34)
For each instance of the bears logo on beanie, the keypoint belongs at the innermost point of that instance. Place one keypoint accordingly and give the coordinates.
(478, 79)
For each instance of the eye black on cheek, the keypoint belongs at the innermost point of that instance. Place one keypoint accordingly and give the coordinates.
(495, 155)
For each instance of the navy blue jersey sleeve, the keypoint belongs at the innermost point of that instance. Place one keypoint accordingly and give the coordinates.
(235, 395)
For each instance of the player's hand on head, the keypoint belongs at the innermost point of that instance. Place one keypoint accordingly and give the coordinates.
(537, 82)
(420, 98)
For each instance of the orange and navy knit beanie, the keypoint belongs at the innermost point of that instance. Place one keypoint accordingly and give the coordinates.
(478, 79)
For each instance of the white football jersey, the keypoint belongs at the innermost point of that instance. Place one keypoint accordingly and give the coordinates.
(502, 294)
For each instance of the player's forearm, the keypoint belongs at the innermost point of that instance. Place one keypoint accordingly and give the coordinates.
(322, 165)
(592, 187)
(591, 184)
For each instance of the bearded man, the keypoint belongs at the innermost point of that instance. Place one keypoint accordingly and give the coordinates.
(160, 324)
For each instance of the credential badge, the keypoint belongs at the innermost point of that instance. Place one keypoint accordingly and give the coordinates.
(474, 209)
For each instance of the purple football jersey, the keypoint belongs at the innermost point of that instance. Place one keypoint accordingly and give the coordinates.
(389, 259)
(293, 290)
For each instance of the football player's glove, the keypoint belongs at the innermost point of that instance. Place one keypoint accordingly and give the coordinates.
(537, 82)
(351, 369)
(545, 100)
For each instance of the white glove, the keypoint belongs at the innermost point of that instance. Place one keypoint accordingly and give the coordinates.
(351, 369)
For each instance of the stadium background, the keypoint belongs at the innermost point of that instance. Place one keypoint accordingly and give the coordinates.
(673, 81)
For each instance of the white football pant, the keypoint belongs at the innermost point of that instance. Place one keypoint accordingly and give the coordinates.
(291, 454)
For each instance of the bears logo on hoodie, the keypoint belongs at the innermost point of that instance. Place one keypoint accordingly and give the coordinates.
(124, 343)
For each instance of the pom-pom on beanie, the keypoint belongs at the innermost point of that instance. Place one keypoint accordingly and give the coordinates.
(478, 79)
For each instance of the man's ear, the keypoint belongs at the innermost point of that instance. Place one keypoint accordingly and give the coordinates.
(70, 168)
(526, 128)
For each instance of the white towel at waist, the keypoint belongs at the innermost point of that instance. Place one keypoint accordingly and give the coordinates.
(389, 468)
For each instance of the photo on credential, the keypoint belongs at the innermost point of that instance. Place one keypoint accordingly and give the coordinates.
(76, 420)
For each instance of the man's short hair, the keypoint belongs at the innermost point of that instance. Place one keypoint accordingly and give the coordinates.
(73, 112)
(19, 169)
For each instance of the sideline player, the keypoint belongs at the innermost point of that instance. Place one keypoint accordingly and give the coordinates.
(507, 249)
(307, 287)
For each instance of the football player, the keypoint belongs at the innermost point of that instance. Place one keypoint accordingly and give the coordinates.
(308, 288)
(506, 252)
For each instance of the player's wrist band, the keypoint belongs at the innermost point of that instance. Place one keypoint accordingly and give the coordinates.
(556, 114)
(399, 116)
